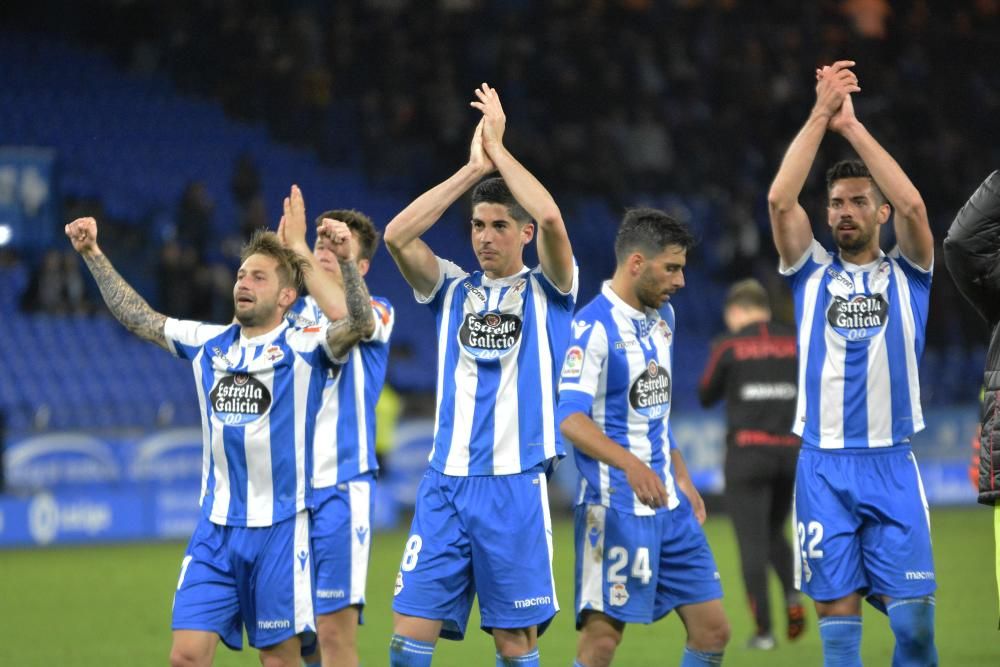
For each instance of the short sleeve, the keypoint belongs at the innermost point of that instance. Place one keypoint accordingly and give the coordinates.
(385, 319)
(186, 337)
(447, 271)
(582, 366)
(311, 344)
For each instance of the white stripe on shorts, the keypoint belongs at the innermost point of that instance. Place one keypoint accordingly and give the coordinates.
(796, 551)
(305, 618)
(592, 572)
(543, 486)
(359, 496)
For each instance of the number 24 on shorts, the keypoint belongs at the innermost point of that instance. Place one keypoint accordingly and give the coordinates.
(618, 557)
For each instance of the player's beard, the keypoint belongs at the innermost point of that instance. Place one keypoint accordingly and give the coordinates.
(649, 292)
(858, 243)
(259, 314)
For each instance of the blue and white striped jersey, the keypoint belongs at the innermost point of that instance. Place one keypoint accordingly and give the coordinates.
(344, 443)
(259, 399)
(499, 346)
(860, 337)
(618, 371)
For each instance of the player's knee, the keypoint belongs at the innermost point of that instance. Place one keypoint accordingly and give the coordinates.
(912, 623)
(272, 660)
(186, 656)
(337, 633)
(513, 643)
(599, 650)
(711, 636)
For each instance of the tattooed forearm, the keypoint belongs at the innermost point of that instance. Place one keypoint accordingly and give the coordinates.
(359, 309)
(344, 333)
(125, 304)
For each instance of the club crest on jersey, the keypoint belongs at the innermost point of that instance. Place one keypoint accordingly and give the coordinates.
(490, 335)
(239, 399)
(649, 394)
(665, 330)
(859, 317)
(274, 354)
(573, 363)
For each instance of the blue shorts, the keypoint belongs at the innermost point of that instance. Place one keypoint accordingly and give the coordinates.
(260, 577)
(862, 524)
(341, 542)
(637, 569)
(489, 536)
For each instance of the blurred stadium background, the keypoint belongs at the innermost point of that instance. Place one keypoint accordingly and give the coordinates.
(180, 125)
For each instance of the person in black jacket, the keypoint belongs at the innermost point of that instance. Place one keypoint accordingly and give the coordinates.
(754, 369)
(972, 254)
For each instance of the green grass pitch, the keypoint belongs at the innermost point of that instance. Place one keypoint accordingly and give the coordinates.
(110, 605)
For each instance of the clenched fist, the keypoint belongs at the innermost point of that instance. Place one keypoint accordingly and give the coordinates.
(82, 233)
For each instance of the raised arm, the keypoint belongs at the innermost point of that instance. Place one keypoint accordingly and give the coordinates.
(124, 303)
(913, 231)
(327, 291)
(554, 251)
(402, 235)
(359, 323)
(789, 221)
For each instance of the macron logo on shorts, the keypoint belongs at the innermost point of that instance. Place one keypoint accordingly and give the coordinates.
(532, 602)
(331, 593)
(912, 575)
(275, 624)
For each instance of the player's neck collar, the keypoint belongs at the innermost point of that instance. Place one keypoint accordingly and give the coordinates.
(506, 280)
(869, 266)
(265, 337)
(618, 302)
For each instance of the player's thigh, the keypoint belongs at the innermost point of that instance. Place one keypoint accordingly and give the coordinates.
(828, 560)
(341, 539)
(434, 580)
(617, 563)
(279, 583)
(510, 531)
(688, 574)
(895, 533)
(207, 599)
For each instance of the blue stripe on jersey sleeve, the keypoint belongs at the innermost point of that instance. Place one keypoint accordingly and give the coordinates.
(571, 401)
(555, 297)
(436, 302)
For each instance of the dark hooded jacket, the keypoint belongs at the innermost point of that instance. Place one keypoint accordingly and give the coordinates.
(972, 253)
